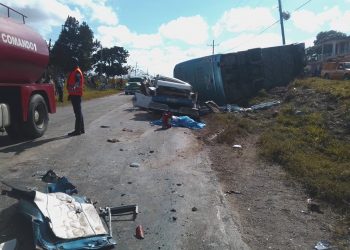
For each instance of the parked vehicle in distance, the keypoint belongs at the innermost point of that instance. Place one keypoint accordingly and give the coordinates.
(336, 70)
(132, 87)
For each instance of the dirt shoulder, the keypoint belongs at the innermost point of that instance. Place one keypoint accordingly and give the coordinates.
(272, 208)
(271, 205)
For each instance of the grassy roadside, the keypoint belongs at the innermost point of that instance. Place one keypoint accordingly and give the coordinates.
(89, 94)
(310, 138)
(308, 135)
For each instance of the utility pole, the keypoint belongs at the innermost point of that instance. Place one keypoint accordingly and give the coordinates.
(213, 45)
(281, 22)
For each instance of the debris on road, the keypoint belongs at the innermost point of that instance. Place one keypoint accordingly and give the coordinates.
(50, 213)
(166, 120)
(127, 130)
(260, 106)
(313, 206)
(213, 106)
(194, 209)
(9, 245)
(174, 218)
(139, 232)
(237, 146)
(182, 121)
(323, 245)
(135, 165)
(232, 192)
(113, 140)
(173, 210)
(104, 126)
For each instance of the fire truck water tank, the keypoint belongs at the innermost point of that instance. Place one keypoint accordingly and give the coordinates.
(24, 53)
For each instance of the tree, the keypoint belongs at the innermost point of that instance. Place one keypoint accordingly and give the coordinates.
(74, 41)
(328, 35)
(110, 61)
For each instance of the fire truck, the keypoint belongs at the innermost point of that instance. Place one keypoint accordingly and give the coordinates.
(25, 102)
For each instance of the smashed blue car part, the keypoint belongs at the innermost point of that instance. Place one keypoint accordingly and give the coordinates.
(43, 235)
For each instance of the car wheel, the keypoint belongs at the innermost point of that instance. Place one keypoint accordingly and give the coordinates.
(38, 117)
(326, 76)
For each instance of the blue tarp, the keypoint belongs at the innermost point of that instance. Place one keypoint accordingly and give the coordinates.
(182, 121)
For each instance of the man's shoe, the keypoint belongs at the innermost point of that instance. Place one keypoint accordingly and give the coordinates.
(82, 132)
(74, 133)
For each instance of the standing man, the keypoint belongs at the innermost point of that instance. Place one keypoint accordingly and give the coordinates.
(59, 87)
(75, 84)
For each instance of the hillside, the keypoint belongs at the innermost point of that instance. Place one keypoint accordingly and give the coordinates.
(296, 151)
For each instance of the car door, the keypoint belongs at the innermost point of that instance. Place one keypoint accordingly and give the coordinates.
(338, 75)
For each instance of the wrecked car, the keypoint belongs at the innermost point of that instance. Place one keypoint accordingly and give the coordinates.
(168, 94)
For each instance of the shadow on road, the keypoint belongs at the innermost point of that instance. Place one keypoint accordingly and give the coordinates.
(13, 226)
(18, 147)
(145, 117)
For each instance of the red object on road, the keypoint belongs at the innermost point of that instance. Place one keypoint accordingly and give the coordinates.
(166, 120)
(139, 232)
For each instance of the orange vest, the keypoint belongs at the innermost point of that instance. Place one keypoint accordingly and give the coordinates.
(71, 87)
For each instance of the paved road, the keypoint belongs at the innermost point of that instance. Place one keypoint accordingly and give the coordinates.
(174, 176)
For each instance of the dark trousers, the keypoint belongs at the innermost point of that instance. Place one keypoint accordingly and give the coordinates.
(60, 94)
(79, 121)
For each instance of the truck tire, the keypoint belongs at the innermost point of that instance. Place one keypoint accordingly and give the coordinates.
(38, 117)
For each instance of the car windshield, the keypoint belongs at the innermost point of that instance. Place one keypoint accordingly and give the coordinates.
(347, 65)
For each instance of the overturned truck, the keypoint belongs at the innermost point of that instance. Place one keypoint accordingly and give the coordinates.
(234, 77)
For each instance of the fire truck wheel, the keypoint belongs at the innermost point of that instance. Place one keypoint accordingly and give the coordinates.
(38, 117)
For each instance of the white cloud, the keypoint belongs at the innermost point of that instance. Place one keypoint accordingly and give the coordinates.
(163, 60)
(341, 23)
(312, 22)
(98, 11)
(248, 41)
(121, 36)
(50, 14)
(192, 30)
(243, 19)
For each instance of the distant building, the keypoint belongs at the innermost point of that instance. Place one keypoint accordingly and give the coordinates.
(331, 49)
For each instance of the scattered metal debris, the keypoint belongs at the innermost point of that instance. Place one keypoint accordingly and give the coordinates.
(135, 165)
(213, 106)
(323, 245)
(233, 192)
(194, 209)
(127, 130)
(112, 140)
(264, 105)
(9, 245)
(237, 146)
(104, 126)
(139, 232)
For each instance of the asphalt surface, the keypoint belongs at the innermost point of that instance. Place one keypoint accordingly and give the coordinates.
(173, 179)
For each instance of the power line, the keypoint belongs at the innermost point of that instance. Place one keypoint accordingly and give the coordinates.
(267, 28)
(302, 5)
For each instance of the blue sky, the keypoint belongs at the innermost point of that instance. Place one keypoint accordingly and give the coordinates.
(160, 33)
